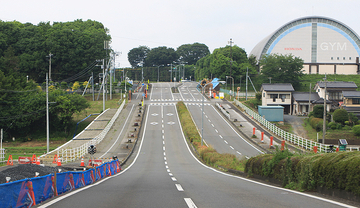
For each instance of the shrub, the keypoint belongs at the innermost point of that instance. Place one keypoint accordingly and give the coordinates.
(340, 116)
(356, 130)
(346, 128)
(318, 111)
(316, 123)
(353, 118)
(332, 125)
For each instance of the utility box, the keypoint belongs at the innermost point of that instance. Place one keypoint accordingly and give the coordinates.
(342, 144)
(272, 113)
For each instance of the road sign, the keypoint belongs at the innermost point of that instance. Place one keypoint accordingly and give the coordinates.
(24, 160)
(96, 162)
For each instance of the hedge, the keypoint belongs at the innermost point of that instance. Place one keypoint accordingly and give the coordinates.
(307, 172)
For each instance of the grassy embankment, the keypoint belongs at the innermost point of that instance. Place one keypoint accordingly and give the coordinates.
(207, 154)
(307, 172)
(37, 144)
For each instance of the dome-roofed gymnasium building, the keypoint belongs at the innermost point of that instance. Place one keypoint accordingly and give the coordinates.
(326, 45)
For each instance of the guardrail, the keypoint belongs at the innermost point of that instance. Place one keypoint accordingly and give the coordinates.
(294, 139)
(70, 155)
(2, 155)
(227, 114)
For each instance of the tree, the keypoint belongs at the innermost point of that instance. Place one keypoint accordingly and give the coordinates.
(318, 111)
(219, 62)
(136, 56)
(191, 53)
(282, 68)
(160, 56)
(340, 116)
(66, 105)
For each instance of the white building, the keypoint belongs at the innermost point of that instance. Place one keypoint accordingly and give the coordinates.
(325, 45)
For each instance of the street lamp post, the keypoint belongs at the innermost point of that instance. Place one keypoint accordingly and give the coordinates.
(232, 84)
(158, 73)
(202, 111)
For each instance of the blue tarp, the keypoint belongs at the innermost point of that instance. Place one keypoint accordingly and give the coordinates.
(32, 191)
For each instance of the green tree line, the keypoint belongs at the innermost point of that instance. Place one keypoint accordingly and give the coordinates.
(74, 46)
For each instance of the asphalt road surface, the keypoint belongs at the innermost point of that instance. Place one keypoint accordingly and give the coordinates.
(164, 173)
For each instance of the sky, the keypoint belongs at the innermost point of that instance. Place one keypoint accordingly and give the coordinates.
(172, 23)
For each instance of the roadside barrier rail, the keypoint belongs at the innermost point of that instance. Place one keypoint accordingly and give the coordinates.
(32, 191)
(294, 139)
(2, 155)
(227, 114)
(72, 154)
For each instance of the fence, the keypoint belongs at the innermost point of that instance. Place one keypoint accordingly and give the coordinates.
(294, 139)
(227, 114)
(31, 191)
(2, 155)
(70, 155)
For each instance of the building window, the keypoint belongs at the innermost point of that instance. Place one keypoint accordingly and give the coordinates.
(350, 58)
(356, 101)
(264, 94)
(274, 96)
(332, 58)
(335, 96)
(338, 58)
(283, 97)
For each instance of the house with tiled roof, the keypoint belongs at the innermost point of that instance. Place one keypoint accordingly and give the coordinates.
(277, 94)
(334, 91)
(351, 102)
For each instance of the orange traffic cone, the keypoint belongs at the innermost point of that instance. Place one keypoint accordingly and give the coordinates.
(38, 161)
(33, 159)
(10, 160)
(59, 161)
(82, 164)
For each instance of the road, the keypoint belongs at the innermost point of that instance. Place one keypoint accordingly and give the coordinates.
(165, 173)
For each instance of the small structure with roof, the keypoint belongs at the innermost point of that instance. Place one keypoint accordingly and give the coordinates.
(334, 91)
(303, 102)
(277, 94)
(351, 102)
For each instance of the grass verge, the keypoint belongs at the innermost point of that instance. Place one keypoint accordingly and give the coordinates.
(208, 155)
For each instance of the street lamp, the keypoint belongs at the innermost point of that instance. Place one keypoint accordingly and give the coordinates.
(202, 111)
(232, 84)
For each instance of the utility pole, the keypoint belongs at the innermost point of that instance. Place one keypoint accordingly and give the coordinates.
(47, 113)
(231, 60)
(247, 71)
(324, 116)
(103, 83)
(50, 55)
(92, 83)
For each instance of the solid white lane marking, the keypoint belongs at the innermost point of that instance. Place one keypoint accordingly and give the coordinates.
(231, 147)
(220, 136)
(179, 187)
(190, 203)
(254, 182)
(173, 179)
(226, 142)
